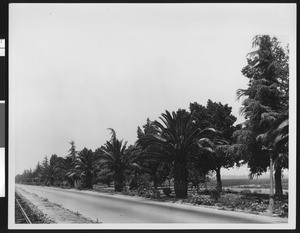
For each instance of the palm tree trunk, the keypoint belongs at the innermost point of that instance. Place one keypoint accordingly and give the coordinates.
(219, 181)
(75, 183)
(118, 186)
(89, 180)
(51, 181)
(278, 184)
(71, 182)
(119, 182)
(180, 180)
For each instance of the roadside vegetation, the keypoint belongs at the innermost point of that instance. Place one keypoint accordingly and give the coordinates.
(32, 213)
(40, 210)
(177, 154)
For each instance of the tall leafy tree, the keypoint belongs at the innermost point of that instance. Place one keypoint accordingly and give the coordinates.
(265, 102)
(68, 165)
(177, 142)
(148, 128)
(53, 169)
(28, 176)
(199, 169)
(38, 173)
(49, 169)
(72, 151)
(218, 116)
(115, 158)
(45, 169)
(158, 170)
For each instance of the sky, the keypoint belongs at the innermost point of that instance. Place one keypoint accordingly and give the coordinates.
(76, 70)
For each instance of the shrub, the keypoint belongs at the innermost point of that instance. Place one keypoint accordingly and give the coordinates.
(80, 186)
(232, 201)
(283, 210)
(167, 191)
(215, 194)
(150, 193)
(228, 190)
(129, 192)
(202, 201)
(143, 183)
(57, 183)
(246, 191)
(254, 206)
(206, 192)
(133, 184)
(156, 194)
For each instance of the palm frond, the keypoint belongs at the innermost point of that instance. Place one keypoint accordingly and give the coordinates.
(205, 141)
(113, 133)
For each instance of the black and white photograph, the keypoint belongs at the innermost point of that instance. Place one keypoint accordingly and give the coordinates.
(152, 116)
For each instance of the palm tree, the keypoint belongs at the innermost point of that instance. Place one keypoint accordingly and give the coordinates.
(86, 165)
(115, 158)
(68, 171)
(177, 141)
(52, 174)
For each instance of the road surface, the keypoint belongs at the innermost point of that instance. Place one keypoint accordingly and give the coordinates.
(109, 208)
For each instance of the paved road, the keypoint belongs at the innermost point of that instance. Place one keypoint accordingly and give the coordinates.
(122, 209)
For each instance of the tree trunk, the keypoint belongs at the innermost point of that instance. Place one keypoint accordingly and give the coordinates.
(118, 186)
(119, 182)
(278, 185)
(108, 182)
(271, 201)
(155, 182)
(219, 181)
(180, 180)
(89, 181)
(72, 182)
(51, 181)
(75, 184)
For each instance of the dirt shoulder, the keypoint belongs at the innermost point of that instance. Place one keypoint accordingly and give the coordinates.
(232, 200)
(50, 212)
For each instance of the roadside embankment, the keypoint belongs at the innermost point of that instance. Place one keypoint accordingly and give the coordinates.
(40, 210)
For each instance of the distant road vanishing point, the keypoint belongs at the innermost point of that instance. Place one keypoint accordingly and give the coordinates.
(122, 209)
